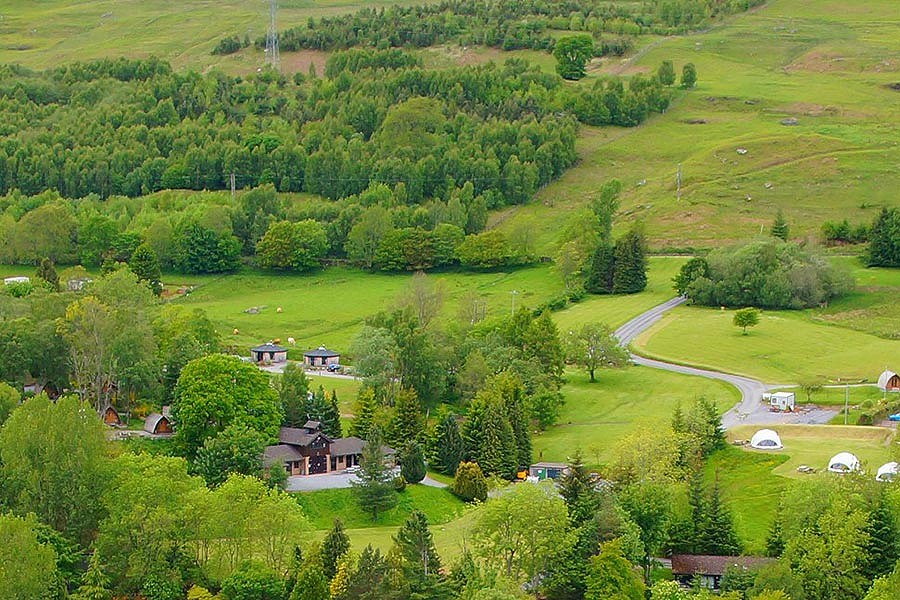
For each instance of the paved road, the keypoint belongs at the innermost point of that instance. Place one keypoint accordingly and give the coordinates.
(749, 410)
(341, 479)
(279, 368)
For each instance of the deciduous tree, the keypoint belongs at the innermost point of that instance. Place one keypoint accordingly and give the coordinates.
(746, 317)
(572, 54)
(595, 346)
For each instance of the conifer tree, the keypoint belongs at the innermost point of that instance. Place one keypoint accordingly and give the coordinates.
(415, 546)
(364, 413)
(698, 520)
(489, 437)
(599, 279)
(775, 539)
(95, 584)
(577, 489)
(469, 483)
(339, 588)
(718, 536)
(367, 580)
(882, 547)
(408, 423)
(884, 240)
(449, 449)
(331, 417)
(335, 545)
(144, 264)
(630, 274)
(373, 489)
(412, 463)
(47, 272)
(780, 227)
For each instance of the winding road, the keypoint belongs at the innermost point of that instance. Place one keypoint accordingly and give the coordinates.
(749, 410)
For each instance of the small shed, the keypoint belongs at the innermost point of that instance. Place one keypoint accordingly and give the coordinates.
(158, 424)
(17, 279)
(111, 416)
(548, 470)
(77, 284)
(766, 439)
(269, 353)
(887, 472)
(889, 381)
(843, 462)
(321, 357)
(781, 401)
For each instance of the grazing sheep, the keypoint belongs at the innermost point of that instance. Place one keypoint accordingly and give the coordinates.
(292, 341)
(235, 332)
(278, 310)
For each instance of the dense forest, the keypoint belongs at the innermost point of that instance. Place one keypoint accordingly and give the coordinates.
(505, 24)
(408, 160)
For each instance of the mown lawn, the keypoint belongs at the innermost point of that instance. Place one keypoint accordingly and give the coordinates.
(597, 416)
(786, 346)
(321, 507)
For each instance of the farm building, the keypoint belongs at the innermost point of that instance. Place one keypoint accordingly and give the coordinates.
(308, 451)
(708, 569)
(780, 400)
(887, 472)
(19, 279)
(766, 439)
(889, 381)
(321, 357)
(111, 416)
(843, 462)
(268, 353)
(158, 424)
(547, 470)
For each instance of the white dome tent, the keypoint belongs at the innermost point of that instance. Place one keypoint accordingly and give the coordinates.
(843, 462)
(887, 472)
(766, 439)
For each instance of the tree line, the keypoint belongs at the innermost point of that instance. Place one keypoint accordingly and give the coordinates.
(504, 24)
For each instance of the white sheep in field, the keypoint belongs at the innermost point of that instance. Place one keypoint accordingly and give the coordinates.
(292, 341)
(235, 332)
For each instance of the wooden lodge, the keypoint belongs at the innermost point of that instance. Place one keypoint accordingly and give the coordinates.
(158, 424)
(308, 451)
(707, 570)
(321, 357)
(269, 353)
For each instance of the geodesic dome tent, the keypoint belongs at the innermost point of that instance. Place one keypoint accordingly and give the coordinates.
(843, 462)
(887, 472)
(766, 439)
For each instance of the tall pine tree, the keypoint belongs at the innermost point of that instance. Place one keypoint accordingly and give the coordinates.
(631, 264)
(335, 545)
(883, 548)
(331, 417)
(718, 536)
(602, 269)
(373, 488)
(364, 413)
(292, 387)
(408, 423)
(448, 448)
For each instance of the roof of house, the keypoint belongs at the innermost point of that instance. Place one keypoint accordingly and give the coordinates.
(268, 347)
(313, 425)
(704, 564)
(282, 452)
(321, 351)
(152, 420)
(298, 437)
(346, 446)
(885, 378)
(549, 465)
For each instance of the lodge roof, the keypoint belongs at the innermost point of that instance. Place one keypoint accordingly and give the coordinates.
(268, 347)
(705, 564)
(321, 352)
(152, 422)
(299, 437)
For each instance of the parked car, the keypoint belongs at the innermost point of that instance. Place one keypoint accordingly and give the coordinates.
(895, 417)
(333, 368)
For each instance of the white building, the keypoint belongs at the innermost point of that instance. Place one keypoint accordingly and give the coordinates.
(19, 279)
(780, 401)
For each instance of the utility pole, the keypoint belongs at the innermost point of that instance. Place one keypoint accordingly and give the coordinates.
(232, 188)
(513, 293)
(273, 59)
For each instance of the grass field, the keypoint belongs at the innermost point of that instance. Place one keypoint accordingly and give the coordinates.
(596, 416)
(786, 346)
(827, 64)
(329, 307)
(872, 307)
(439, 505)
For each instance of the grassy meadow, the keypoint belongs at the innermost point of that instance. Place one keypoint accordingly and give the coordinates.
(786, 346)
(827, 64)
(596, 416)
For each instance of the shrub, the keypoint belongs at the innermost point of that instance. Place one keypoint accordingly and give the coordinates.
(469, 483)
